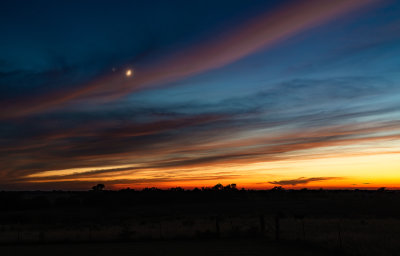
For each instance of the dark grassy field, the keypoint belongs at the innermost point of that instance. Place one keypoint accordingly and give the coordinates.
(223, 222)
(220, 247)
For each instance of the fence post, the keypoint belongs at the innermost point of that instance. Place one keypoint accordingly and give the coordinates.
(41, 236)
(161, 236)
(262, 225)
(277, 227)
(217, 228)
(90, 232)
(340, 236)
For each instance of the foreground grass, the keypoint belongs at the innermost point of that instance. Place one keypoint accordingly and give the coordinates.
(219, 247)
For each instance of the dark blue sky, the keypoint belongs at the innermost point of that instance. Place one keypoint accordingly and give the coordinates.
(214, 83)
(44, 35)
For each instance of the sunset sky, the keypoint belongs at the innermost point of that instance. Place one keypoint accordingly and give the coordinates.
(194, 93)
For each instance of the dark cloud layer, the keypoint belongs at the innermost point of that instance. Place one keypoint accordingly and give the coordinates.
(301, 181)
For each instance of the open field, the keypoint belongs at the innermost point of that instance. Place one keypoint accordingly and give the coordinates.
(176, 222)
(232, 247)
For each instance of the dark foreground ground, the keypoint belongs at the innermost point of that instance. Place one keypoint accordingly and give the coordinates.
(233, 247)
(210, 222)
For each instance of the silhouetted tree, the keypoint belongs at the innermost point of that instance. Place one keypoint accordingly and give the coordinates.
(230, 187)
(382, 189)
(196, 190)
(177, 189)
(218, 187)
(277, 188)
(152, 189)
(98, 187)
(127, 190)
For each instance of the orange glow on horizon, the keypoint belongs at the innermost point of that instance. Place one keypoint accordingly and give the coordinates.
(350, 172)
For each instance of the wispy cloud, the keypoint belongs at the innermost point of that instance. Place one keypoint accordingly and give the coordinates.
(302, 180)
(246, 39)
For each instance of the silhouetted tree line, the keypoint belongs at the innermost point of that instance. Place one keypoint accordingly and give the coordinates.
(99, 196)
(18, 206)
(217, 187)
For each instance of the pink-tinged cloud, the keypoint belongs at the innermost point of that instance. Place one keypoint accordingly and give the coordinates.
(182, 150)
(258, 33)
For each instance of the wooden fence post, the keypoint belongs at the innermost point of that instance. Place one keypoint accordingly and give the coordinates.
(277, 227)
(340, 236)
(262, 225)
(90, 232)
(217, 228)
(161, 236)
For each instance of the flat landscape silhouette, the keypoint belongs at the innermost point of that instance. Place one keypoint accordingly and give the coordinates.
(212, 221)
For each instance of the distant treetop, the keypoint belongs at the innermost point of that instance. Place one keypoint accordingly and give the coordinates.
(98, 187)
